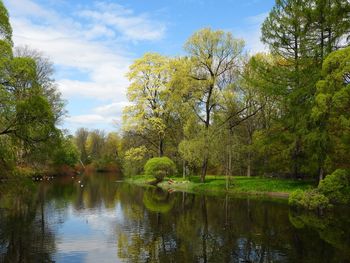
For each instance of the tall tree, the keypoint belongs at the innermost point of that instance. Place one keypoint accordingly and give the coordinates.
(81, 136)
(302, 33)
(215, 57)
(331, 135)
(330, 25)
(44, 75)
(96, 143)
(148, 115)
(286, 31)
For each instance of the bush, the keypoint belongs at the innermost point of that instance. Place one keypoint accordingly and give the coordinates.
(311, 200)
(159, 167)
(336, 187)
(295, 198)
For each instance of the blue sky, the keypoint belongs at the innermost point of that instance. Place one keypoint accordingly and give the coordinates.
(92, 43)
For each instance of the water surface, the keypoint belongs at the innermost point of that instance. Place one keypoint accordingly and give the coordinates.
(101, 220)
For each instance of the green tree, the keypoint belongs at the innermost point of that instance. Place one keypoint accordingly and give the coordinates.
(5, 27)
(331, 133)
(81, 136)
(30, 106)
(300, 34)
(148, 93)
(66, 153)
(95, 144)
(214, 57)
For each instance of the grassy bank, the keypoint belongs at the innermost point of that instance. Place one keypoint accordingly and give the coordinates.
(238, 185)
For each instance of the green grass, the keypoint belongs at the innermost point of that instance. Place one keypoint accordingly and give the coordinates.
(238, 185)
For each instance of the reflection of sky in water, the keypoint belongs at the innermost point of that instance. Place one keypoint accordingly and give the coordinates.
(88, 235)
(109, 222)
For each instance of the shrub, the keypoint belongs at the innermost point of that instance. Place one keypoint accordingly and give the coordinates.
(311, 200)
(295, 198)
(159, 167)
(336, 186)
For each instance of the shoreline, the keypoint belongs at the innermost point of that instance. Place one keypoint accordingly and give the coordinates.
(215, 185)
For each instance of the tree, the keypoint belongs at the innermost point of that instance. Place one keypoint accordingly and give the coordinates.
(331, 133)
(81, 136)
(44, 75)
(287, 32)
(330, 23)
(26, 113)
(66, 153)
(112, 147)
(148, 115)
(5, 27)
(95, 144)
(300, 34)
(215, 57)
(30, 105)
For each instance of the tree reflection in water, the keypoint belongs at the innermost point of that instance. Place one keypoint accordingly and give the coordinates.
(150, 225)
(216, 229)
(25, 235)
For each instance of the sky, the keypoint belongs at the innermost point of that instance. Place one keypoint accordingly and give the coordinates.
(93, 43)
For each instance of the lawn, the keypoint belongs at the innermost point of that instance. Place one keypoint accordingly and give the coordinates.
(238, 184)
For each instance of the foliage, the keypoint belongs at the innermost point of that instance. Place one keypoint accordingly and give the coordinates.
(160, 167)
(5, 27)
(81, 136)
(30, 105)
(331, 114)
(134, 160)
(336, 187)
(311, 199)
(148, 115)
(214, 59)
(66, 153)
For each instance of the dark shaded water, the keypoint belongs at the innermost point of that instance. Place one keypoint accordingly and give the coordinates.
(107, 221)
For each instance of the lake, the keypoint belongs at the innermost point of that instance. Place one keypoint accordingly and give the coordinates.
(98, 218)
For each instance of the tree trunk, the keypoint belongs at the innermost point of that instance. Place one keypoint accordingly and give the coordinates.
(204, 167)
(183, 169)
(296, 155)
(249, 167)
(161, 147)
(249, 157)
(321, 175)
(206, 153)
(229, 166)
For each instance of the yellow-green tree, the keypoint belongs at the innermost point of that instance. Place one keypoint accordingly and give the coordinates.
(148, 115)
(215, 57)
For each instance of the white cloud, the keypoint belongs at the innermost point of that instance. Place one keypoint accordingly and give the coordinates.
(257, 19)
(113, 109)
(92, 43)
(252, 33)
(109, 114)
(134, 27)
(28, 7)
